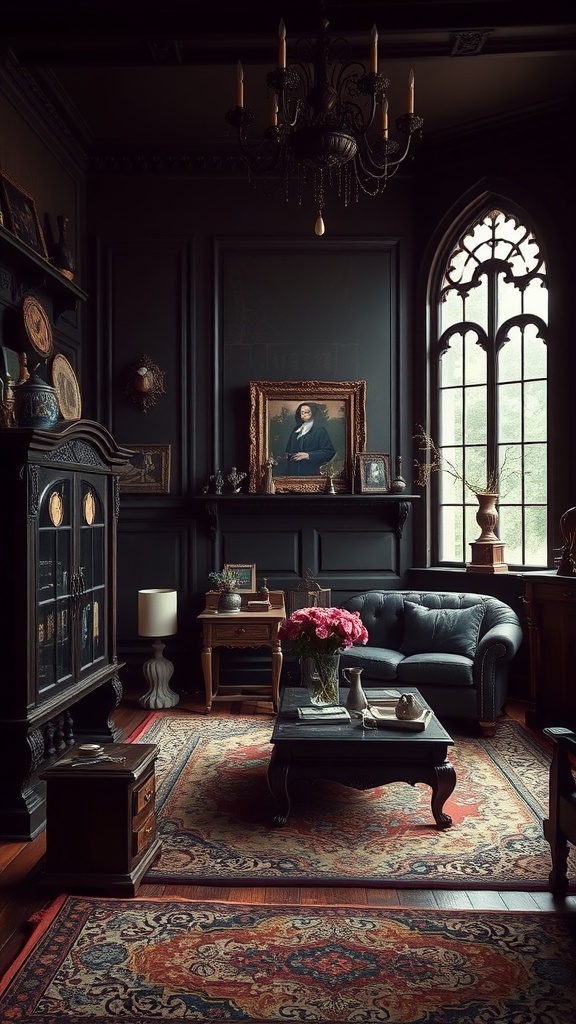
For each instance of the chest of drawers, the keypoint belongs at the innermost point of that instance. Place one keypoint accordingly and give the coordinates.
(101, 819)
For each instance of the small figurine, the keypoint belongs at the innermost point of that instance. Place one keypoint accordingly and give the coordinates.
(218, 481)
(398, 484)
(268, 486)
(235, 479)
(408, 707)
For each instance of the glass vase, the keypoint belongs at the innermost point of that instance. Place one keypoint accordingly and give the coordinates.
(320, 676)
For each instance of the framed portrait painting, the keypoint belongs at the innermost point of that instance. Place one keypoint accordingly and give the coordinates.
(304, 435)
(372, 473)
(20, 215)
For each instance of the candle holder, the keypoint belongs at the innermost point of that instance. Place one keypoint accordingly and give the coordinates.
(157, 618)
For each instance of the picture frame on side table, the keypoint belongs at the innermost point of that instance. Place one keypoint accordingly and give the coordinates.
(306, 433)
(373, 473)
(20, 215)
(246, 574)
(148, 471)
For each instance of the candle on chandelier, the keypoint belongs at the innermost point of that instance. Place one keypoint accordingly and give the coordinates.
(274, 111)
(282, 44)
(239, 85)
(374, 50)
(411, 92)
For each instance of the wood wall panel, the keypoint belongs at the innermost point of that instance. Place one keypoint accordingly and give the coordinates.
(355, 551)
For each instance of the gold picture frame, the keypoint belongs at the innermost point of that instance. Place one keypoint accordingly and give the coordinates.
(246, 574)
(21, 217)
(338, 431)
(373, 473)
(147, 471)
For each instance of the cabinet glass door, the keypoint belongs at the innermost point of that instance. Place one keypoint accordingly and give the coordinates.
(91, 574)
(53, 620)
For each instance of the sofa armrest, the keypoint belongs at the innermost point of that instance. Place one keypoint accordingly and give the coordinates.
(496, 648)
(501, 641)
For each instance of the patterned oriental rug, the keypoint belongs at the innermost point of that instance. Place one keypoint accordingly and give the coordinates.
(216, 815)
(94, 961)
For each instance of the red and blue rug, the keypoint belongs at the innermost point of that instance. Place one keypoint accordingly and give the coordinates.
(97, 961)
(216, 815)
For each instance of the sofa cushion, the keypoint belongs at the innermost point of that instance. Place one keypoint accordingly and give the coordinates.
(378, 663)
(426, 671)
(441, 630)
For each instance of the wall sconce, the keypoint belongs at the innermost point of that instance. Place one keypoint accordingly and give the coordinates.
(157, 617)
(144, 383)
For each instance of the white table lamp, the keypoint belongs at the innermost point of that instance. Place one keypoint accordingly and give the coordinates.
(157, 618)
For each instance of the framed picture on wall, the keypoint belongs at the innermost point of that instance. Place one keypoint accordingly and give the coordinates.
(304, 432)
(148, 471)
(20, 216)
(372, 473)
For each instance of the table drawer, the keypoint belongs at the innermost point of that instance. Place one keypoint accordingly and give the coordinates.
(241, 631)
(144, 795)
(143, 836)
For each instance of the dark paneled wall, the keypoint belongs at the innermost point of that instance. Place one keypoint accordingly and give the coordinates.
(220, 285)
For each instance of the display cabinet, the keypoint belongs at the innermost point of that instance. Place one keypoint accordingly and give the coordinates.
(60, 679)
(550, 602)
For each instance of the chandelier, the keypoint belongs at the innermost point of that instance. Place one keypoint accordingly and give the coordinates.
(328, 123)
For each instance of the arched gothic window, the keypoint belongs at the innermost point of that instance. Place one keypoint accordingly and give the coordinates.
(490, 375)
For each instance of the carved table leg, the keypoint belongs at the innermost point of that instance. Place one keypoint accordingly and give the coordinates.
(443, 782)
(278, 785)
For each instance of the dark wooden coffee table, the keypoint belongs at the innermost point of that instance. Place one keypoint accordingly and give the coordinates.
(357, 757)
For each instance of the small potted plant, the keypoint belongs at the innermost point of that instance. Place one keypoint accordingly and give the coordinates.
(227, 583)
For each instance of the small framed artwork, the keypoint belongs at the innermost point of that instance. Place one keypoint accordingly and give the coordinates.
(20, 216)
(303, 434)
(148, 471)
(245, 574)
(373, 473)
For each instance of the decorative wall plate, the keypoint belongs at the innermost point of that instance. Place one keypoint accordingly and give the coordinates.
(66, 388)
(37, 326)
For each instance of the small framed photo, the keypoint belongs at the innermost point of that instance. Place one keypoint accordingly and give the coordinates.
(373, 473)
(246, 574)
(148, 471)
(20, 216)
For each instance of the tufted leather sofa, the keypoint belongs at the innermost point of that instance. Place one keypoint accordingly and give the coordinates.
(456, 685)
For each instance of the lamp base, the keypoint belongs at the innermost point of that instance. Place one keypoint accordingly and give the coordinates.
(158, 673)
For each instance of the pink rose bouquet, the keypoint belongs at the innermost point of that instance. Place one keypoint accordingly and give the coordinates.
(317, 632)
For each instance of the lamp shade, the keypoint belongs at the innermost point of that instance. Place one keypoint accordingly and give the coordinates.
(157, 613)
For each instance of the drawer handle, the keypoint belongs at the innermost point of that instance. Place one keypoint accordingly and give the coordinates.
(240, 631)
(148, 796)
(148, 830)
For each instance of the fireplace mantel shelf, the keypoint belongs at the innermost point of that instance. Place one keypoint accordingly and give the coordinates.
(393, 508)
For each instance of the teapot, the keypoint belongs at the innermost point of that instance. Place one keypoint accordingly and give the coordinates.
(356, 699)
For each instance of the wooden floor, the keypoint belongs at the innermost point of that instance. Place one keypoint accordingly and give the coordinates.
(21, 898)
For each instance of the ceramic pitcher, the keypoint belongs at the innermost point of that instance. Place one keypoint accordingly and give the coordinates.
(356, 699)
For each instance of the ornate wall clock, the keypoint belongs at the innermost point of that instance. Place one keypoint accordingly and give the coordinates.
(37, 326)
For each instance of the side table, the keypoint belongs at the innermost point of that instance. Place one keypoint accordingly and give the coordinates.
(101, 819)
(246, 628)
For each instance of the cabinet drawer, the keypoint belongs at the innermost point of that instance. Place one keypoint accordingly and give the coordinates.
(242, 631)
(144, 796)
(144, 835)
(549, 592)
